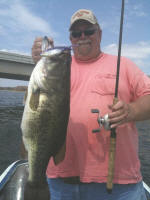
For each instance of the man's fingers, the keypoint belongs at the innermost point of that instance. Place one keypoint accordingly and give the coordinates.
(116, 124)
(118, 118)
(119, 105)
(37, 45)
(116, 113)
(36, 52)
(119, 114)
(118, 121)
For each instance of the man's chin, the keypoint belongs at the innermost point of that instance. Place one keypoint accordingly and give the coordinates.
(84, 49)
(83, 56)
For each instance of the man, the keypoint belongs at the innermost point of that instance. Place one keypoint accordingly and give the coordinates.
(83, 173)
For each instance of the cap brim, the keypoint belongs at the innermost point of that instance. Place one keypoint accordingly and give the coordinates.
(81, 19)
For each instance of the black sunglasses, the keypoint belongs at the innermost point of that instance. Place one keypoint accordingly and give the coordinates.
(77, 34)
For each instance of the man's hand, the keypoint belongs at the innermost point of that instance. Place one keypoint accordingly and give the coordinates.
(37, 48)
(120, 114)
(126, 112)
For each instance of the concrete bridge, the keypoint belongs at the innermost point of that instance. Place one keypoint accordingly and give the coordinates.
(15, 66)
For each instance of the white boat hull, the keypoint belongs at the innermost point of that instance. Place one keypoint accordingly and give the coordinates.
(13, 180)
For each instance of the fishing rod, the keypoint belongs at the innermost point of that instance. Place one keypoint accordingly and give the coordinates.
(104, 121)
(111, 163)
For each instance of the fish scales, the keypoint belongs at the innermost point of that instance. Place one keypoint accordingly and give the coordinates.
(45, 119)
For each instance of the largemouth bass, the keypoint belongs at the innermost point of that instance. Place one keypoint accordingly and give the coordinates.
(45, 118)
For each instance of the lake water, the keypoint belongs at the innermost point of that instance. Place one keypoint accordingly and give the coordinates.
(11, 109)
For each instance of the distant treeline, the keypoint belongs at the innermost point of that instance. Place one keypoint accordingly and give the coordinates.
(17, 88)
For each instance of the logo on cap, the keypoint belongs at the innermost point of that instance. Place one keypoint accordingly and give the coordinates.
(81, 13)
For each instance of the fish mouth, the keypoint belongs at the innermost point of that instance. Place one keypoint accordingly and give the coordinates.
(56, 51)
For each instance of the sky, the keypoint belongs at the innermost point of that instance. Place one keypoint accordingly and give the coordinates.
(21, 21)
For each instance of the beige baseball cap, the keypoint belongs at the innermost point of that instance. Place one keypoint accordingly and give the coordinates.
(85, 15)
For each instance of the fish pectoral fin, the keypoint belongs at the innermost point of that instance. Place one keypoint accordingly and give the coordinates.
(34, 100)
(59, 157)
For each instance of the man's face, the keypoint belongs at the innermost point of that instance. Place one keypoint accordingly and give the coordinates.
(86, 45)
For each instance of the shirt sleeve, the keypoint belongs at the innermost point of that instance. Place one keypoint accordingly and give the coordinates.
(138, 81)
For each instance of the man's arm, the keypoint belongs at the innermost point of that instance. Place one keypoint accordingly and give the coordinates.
(135, 111)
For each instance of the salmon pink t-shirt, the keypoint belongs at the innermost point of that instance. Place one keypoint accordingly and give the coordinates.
(87, 153)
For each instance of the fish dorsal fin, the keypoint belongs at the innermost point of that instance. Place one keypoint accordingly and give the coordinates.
(34, 99)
